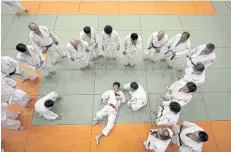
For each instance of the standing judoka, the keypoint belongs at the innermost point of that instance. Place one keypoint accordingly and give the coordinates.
(195, 74)
(34, 60)
(89, 35)
(43, 106)
(44, 40)
(111, 43)
(15, 5)
(113, 99)
(180, 92)
(77, 51)
(203, 54)
(158, 139)
(12, 95)
(132, 44)
(168, 114)
(156, 47)
(10, 66)
(178, 47)
(190, 137)
(138, 95)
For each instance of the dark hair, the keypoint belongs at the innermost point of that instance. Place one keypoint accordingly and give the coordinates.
(191, 86)
(187, 34)
(134, 36)
(48, 103)
(134, 85)
(31, 24)
(21, 47)
(108, 29)
(203, 136)
(199, 67)
(175, 107)
(165, 137)
(87, 29)
(210, 46)
(116, 83)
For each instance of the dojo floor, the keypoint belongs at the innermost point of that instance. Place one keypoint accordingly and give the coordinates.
(210, 108)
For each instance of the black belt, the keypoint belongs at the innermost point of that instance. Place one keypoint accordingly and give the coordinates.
(161, 112)
(47, 47)
(154, 46)
(181, 143)
(168, 52)
(10, 74)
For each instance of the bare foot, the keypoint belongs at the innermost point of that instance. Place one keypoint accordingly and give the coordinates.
(18, 14)
(53, 72)
(163, 97)
(94, 123)
(20, 128)
(35, 80)
(20, 113)
(132, 65)
(27, 10)
(59, 118)
(54, 63)
(97, 140)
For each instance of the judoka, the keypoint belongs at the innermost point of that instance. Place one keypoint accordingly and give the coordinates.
(138, 96)
(89, 35)
(178, 47)
(111, 43)
(180, 92)
(15, 5)
(203, 54)
(33, 59)
(132, 44)
(190, 137)
(43, 106)
(168, 113)
(10, 66)
(113, 99)
(156, 47)
(158, 139)
(11, 95)
(44, 40)
(77, 51)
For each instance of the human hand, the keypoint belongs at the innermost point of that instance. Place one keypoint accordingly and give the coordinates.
(124, 52)
(96, 45)
(72, 59)
(118, 48)
(56, 42)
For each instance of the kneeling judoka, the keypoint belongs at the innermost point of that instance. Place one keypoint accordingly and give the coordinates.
(113, 98)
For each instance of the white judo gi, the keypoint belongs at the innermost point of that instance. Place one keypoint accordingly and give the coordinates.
(110, 110)
(9, 66)
(190, 76)
(207, 59)
(46, 43)
(44, 111)
(131, 49)
(110, 44)
(91, 41)
(14, 5)
(181, 51)
(36, 61)
(185, 143)
(80, 56)
(181, 97)
(165, 115)
(12, 95)
(154, 44)
(138, 97)
(155, 144)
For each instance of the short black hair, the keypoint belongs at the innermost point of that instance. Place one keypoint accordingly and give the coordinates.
(134, 85)
(191, 86)
(134, 36)
(108, 29)
(175, 107)
(165, 137)
(210, 46)
(87, 29)
(48, 103)
(187, 34)
(31, 24)
(199, 67)
(203, 136)
(116, 83)
(21, 47)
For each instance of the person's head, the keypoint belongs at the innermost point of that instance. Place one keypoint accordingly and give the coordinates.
(198, 68)
(48, 103)
(87, 30)
(164, 133)
(134, 36)
(175, 107)
(116, 86)
(108, 29)
(209, 48)
(189, 87)
(201, 136)
(160, 35)
(74, 42)
(185, 36)
(22, 48)
(34, 27)
(134, 86)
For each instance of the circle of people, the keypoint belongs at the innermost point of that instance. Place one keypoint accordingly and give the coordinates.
(175, 51)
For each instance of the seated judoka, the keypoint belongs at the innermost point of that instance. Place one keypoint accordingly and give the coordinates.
(195, 74)
(189, 137)
(43, 106)
(168, 113)
(180, 92)
(158, 139)
(138, 95)
(113, 99)
(10, 66)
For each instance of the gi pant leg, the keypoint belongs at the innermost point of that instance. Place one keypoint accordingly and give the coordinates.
(26, 75)
(11, 124)
(54, 53)
(20, 97)
(138, 104)
(45, 69)
(111, 121)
